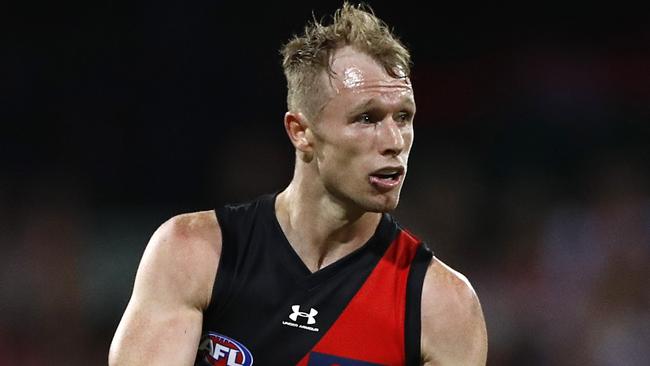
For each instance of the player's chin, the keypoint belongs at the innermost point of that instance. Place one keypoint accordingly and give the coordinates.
(383, 203)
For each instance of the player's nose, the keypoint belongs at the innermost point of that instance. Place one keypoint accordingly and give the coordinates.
(391, 137)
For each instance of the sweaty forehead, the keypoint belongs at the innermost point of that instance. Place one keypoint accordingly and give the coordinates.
(356, 71)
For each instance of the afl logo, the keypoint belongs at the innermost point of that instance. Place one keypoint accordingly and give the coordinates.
(218, 350)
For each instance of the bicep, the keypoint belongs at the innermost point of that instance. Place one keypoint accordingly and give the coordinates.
(150, 335)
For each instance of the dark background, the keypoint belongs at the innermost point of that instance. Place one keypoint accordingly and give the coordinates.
(529, 172)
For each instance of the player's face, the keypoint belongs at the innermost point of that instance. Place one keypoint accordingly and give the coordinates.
(363, 134)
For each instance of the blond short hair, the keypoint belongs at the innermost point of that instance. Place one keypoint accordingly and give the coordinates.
(306, 56)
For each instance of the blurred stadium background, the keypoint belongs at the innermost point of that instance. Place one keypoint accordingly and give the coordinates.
(530, 170)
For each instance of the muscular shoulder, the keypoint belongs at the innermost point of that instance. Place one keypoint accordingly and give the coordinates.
(453, 327)
(181, 258)
(189, 228)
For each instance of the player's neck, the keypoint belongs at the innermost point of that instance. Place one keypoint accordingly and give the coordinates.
(319, 228)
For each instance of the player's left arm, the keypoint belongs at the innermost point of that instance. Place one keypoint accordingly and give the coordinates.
(453, 326)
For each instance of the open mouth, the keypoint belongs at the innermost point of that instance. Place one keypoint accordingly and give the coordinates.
(386, 178)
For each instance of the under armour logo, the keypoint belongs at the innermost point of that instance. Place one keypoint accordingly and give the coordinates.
(311, 317)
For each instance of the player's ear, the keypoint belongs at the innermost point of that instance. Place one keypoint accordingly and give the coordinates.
(298, 130)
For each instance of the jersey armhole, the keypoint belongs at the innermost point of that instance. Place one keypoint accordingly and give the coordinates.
(224, 271)
(413, 321)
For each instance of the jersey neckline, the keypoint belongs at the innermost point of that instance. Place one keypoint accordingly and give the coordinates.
(371, 251)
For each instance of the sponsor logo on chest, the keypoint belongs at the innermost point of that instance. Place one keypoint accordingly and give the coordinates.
(302, 319)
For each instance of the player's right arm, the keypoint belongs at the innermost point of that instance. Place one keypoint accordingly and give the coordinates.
(162, 322)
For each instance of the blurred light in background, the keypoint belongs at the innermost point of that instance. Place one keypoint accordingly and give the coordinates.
(529, 172)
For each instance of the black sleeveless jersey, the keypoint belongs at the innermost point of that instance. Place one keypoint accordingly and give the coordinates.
(269, 309)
